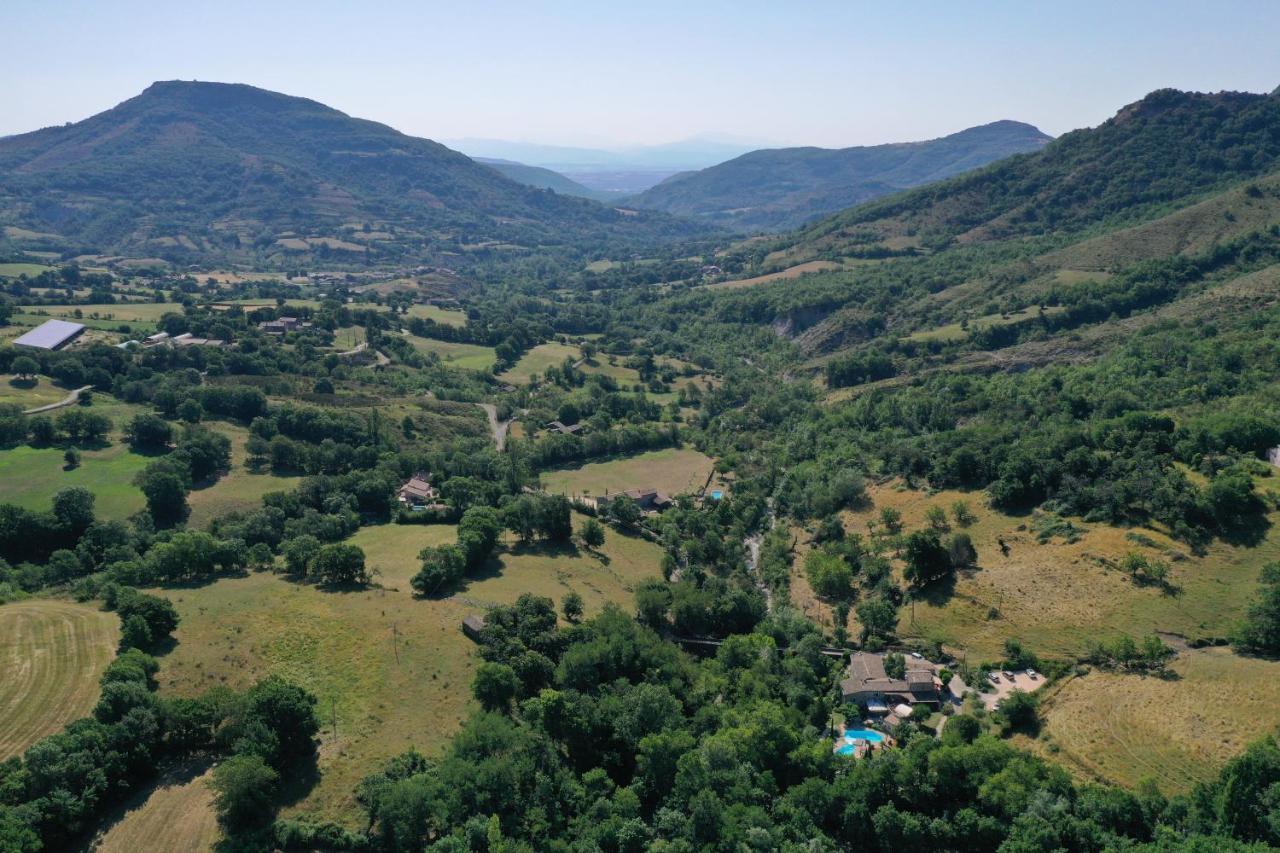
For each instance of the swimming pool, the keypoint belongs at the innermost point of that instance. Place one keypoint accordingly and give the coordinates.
(716, 494)
(852, 736)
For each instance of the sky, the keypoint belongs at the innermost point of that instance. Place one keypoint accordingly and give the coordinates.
(609, 74)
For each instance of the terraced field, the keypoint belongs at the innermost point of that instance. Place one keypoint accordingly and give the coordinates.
(52, 654)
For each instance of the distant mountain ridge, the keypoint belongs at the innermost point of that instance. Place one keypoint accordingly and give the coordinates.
(189, 170)
(536, 176)
(781, 188)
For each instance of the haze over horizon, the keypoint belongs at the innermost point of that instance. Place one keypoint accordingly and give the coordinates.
(769, 74)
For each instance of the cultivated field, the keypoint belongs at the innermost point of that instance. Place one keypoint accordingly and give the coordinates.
(671, 470)
(1178, 731)
(467, 356)
(1057, 596)
(17, 269)
(52, 654)
(789, 273)
(125, 312)
(538, 359)
(394, 670)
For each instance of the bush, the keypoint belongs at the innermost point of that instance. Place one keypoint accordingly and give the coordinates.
(244, 788)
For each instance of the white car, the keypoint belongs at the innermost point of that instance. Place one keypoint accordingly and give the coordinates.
(917, 656)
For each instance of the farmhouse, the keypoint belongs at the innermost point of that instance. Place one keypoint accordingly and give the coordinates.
(418, 492)
(51, 335)
(649, 500)
(866, 684)
(282, 325)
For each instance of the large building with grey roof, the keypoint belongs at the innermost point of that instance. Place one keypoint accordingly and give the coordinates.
(867, 684)
(50, 335)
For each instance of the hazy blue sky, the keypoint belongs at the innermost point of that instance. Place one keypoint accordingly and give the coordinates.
(591, 72)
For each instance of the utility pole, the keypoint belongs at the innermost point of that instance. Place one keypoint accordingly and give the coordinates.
(333, 710)
(395, 642)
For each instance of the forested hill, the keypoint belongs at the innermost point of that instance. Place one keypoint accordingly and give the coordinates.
(191, 170)
(1167, 147)
(783, 188)
(536, 176)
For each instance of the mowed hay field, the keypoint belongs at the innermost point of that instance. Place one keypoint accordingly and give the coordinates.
(1179, 731)
(538, 359)
(1057, 597)
(671, 470)
(52, 654)
(176, 815)
(395, 670)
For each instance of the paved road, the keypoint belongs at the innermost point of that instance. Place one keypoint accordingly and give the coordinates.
(65, 401)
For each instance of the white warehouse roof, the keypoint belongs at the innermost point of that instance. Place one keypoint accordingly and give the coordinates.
(50, 334)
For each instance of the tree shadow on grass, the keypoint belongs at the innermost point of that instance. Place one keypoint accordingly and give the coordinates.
(304, 773)
(1249, 532)
(174, 775)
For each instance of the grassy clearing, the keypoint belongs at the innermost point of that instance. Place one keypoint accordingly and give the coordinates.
(789, 273)
(14, 393)
(15, 270)
(394, 670)
(237, 490)
(538, 359)
(29, 476)
(52, 654)
(956, 332)
(601, 365)
(1126, 728)
(440, 315)
(671, 470)
(467, 356)
(1058, 596)
(175, 815)
(391, 550)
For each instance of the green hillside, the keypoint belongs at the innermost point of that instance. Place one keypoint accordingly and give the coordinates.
(783, 188)
(1162, 150)
(192, 171)
(536, 176)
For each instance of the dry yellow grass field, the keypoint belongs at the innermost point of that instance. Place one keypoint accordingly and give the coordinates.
(790, 272)
(52, 654)
(671, 470)
(394, 670)
(176, 815)
(1126, 728)
(1059, 596)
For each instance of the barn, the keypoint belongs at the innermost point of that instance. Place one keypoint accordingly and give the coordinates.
(50, 335)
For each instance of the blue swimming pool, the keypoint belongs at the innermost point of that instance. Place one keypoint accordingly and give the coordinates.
(716, 494)
(849, 744)
(872, 735)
